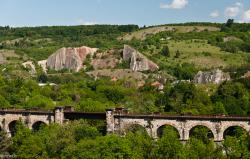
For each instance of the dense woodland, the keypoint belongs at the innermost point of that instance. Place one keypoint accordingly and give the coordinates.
(84, 94)
(80, 139)
(88, 139)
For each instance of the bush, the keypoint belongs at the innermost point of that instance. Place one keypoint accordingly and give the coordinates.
(165, 51)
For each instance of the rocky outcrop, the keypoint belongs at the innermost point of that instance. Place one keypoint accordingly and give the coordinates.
(43, 65)
(30, 67)
(215, 76)
(118, 74)
(104, 63)
(106, 60)
(137, 61)
(68, 58)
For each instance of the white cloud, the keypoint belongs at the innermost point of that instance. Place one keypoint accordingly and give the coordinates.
(234, 11)
(82, 22)
(239, 4)
(175, 4)
(215, 14)
(246, 16)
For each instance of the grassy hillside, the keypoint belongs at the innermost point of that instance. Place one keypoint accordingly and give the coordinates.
(39, 42)
(196, 47)
(144, 33)
(193, 46)
(199, 53)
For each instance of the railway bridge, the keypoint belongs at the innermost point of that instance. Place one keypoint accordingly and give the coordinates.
(119, 121)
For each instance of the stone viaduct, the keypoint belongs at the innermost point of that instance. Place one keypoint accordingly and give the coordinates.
(119, 121)
(33, 119)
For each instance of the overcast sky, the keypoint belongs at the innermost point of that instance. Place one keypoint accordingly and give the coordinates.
(141, 12)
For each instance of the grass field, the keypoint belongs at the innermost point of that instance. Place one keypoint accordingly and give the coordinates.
(198, 52)
(143, 33)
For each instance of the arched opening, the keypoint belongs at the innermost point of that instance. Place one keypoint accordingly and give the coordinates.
(202, 133)
(38, 125)
(13, 127)
(235, 131)
(164, 129)
(136, 129)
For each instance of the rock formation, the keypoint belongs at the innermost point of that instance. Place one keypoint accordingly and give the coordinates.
(215, 76)
(43, 64)
(137, 61)
(106, 60)
(68, 58)
(30, 66)
(104, 63)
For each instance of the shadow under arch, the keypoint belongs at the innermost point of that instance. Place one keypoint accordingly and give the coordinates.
(136, 129)
(167, 128)
(201, 132)
(13, 127)
(235, 130)
(38, 125)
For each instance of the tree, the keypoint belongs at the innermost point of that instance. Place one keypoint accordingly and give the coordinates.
(22, 133)
(39, 101)
(165, 51)
(219, 108)
(237, 147)
(84, 131)
(32, 147)
(229, 23)
(169, 147)
(185, 71)
(177, 54)
(110, 146)
(3, 102)
(43, 78)
(90, 105)
(141, 144)
(227, 26)
(196, 148)
(234, 96)
(186, 98)
(5, 143)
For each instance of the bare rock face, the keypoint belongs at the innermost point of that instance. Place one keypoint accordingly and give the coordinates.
(216, 77)
(68, 58)
(104, 63)
(30, 66)
(138, 62)
(43, 64)
(106, 60)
